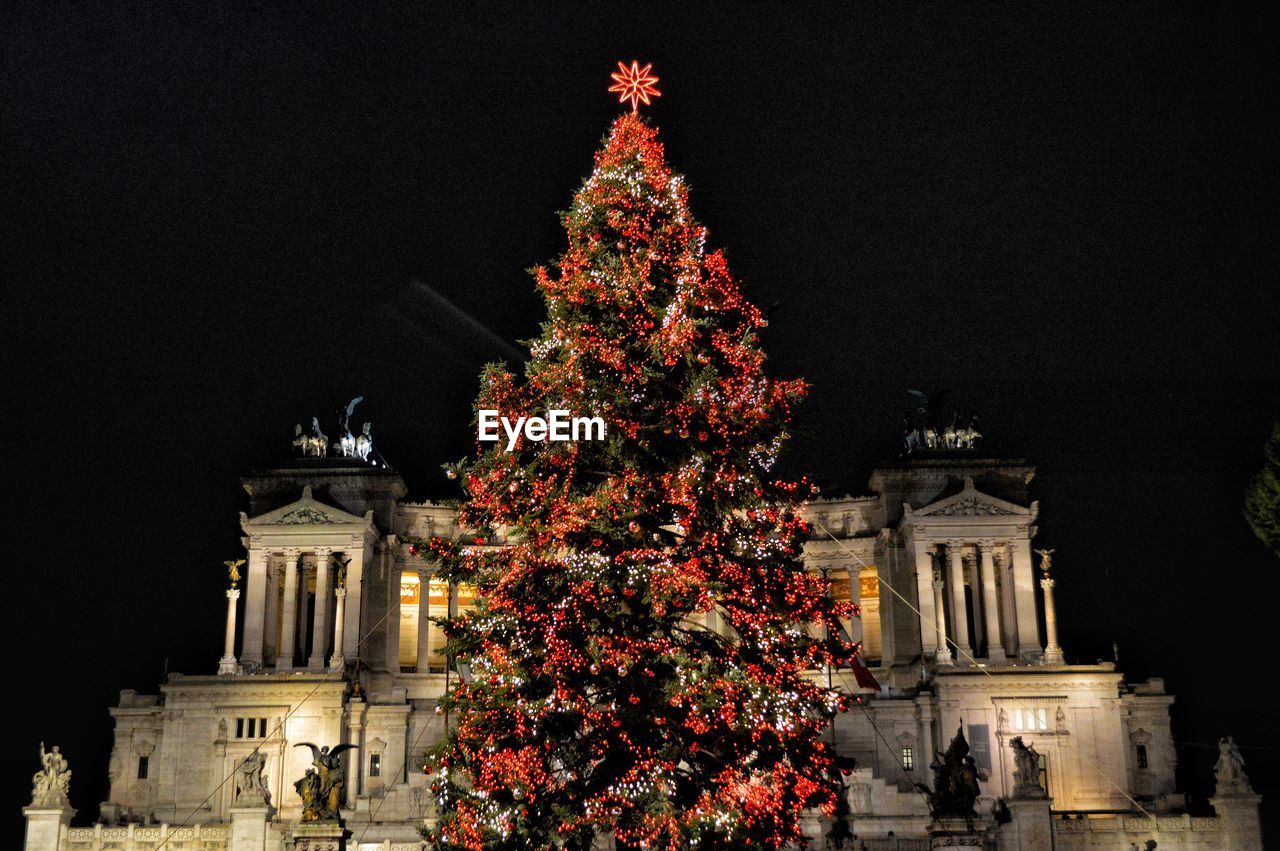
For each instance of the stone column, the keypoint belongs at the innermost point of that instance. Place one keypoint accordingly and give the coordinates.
(1024, 600)
(47, 826)
(289, 615)
(943, 653)
(355, 578)
(991, 602)
(255, 608)
(227, 665)
(271, 621)
(959, 609)
(930, 604)
(355, 735)
(319, 620)
(424, 624)
(338, 660)
(303, 615)
(855, 594)
(1052, 652)
(1006, 603)
(978, 638)
(924, 708)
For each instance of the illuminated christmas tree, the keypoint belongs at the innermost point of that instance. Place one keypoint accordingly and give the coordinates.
(638, 656)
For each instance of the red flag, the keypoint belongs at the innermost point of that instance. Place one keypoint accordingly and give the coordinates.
(862, 673)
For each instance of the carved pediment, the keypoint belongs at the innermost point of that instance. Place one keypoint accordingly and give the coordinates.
(307, 511)
(970, 502)
(305, 516)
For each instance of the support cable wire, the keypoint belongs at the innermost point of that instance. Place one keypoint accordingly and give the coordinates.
(325, 679)
(965, 653)
(960, 650)
(373, 816)
(915, 786)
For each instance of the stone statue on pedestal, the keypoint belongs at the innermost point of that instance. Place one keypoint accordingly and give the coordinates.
(52, 783)
(1026, 775)
(250, 789)
(321, 787)
(1228, 770)
(955, 781)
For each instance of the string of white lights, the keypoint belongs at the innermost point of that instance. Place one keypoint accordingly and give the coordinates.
(965, 653)
(959, 650)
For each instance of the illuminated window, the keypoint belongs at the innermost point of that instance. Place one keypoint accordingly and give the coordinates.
(437, 607)
(908, 759)
(841, 592)
(869, 602)
(143, 765)
(1044, 773)
(1029, 719)
(375, 765)
(410, 589)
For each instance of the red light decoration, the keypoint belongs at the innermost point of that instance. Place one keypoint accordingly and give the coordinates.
(593, 707)
(634, 84)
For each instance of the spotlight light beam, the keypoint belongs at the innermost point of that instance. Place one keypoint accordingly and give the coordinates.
(447, 309)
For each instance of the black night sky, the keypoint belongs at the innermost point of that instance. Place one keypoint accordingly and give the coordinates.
(221, 219)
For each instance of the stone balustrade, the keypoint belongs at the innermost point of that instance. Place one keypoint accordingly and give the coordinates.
(136, 837)
(1094, 830)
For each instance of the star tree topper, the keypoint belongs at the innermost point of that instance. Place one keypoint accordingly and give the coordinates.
(634, 84)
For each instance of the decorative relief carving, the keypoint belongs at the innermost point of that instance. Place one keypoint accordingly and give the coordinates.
(305, 516)
(970, 507)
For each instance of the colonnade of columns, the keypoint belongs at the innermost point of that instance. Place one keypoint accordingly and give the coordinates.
(272, 610)
(978, 601)
(424, 656)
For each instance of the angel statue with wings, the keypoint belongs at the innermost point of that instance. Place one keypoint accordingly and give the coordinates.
(346, 440)
(233, 570)
(321, 787)
(1046, 560)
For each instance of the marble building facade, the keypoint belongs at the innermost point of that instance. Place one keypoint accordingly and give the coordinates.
(329, 639)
